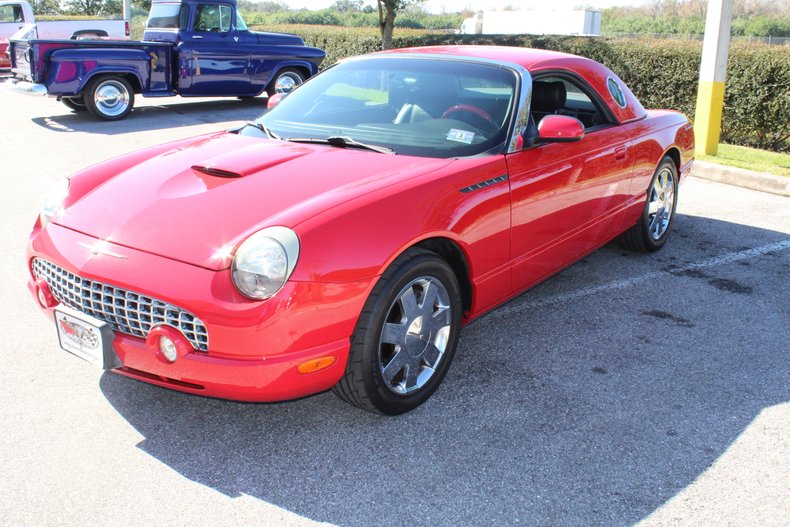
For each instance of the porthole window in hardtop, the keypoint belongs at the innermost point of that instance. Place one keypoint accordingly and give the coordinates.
(616, 92)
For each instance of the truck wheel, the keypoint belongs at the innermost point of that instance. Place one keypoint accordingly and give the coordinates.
(109, 98)
(74, 103)
(285, 82)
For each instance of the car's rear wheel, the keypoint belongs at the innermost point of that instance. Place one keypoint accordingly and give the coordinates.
(652, 230)
(406, 336)
(74, 103)
(286, 81)
(109, 98)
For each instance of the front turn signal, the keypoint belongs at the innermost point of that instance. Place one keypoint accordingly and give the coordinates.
(315, 365)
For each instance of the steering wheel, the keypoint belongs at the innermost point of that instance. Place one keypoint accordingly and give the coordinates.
(201, 26)
(481, 116)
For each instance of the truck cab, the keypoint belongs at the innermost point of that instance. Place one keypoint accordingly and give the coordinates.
(217, 53)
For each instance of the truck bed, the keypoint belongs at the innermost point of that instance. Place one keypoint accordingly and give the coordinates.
(28, 57)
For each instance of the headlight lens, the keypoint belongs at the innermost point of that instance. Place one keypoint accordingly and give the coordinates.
(264, 261)
(53, 201)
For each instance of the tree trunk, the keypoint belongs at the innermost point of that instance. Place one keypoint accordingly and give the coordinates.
(387, 27)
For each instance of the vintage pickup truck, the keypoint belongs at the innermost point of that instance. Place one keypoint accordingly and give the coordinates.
(192, 48)
(16, 15)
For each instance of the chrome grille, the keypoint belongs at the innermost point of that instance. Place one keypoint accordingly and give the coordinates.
(125, 311)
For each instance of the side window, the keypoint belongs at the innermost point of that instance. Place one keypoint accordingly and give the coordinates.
(213, 18)
(562, 96)
(11, 13)
(183, 18)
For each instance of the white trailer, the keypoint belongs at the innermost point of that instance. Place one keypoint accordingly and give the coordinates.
(538, 22)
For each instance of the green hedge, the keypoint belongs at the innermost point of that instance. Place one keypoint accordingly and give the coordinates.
(662, 73)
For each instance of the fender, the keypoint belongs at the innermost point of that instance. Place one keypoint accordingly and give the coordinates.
(71, 69)
(295, 63)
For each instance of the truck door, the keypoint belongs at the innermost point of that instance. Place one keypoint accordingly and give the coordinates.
(212, 60)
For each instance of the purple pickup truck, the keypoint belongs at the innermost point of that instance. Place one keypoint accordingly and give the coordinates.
(192, 48)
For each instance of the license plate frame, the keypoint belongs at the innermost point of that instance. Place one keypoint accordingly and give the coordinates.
(86, 337)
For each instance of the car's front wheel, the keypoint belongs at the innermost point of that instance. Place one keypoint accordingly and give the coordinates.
(653, 228)
(109, 98)
(406, 336)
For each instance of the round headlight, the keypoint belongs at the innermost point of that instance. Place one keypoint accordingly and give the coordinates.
(264, 261)
(53, 201)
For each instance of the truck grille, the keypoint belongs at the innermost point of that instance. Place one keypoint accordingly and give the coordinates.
(126, 311)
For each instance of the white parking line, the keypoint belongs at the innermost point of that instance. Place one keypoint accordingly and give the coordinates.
(723, 259)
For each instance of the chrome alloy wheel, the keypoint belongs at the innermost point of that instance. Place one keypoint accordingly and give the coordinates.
(661, 204)
(111, 98)
(415, 335)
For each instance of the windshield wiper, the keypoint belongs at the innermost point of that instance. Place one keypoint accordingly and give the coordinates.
(262, 128)
(342, 142)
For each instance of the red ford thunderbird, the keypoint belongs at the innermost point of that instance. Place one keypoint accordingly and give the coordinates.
(344, 238)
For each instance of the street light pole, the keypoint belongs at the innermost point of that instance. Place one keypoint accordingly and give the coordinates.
(712, 72)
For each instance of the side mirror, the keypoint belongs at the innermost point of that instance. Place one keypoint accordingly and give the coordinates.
(274, 100)
(560, 129)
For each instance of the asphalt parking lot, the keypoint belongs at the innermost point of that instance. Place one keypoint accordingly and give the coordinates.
(629, 389)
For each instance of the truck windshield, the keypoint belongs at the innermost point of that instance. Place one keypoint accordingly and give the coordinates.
(168, 16)
(412, 106)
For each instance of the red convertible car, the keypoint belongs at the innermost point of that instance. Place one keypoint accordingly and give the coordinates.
(344, 238)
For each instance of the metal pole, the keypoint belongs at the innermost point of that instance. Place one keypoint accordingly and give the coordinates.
(712, 72)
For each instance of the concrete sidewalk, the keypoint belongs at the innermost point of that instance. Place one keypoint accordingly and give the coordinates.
(742, 178)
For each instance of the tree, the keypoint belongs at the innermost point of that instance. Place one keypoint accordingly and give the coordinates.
(347, 6)
(46, 7)
(84, 7)
(145, 5)
(388, 10)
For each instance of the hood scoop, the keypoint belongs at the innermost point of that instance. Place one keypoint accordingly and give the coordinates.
(250, 159)
(214, 171)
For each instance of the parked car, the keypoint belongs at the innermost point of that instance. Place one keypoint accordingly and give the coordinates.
(344, 238)
(16, 15)
(192, 48)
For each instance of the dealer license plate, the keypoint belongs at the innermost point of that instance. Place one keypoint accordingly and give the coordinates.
(86, 337)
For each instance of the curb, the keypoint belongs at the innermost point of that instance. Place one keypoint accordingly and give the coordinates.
(741, 178)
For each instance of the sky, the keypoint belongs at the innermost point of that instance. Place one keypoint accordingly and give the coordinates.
(453, 6)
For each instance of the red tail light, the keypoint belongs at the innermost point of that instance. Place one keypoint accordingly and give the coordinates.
(128, 29)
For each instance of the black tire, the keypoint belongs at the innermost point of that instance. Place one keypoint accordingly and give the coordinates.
(286, 80)
(652, 230)
(375, 380)
(76, 104)
(109, 97)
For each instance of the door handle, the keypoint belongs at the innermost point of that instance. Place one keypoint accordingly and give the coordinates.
(620, 153)
(196, 36)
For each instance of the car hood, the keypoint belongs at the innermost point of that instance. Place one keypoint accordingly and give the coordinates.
(196, 203)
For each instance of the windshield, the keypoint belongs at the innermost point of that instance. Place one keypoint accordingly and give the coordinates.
(414, 106)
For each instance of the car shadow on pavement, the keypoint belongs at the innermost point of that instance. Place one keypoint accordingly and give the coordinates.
(589, 411)
(159, 117)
